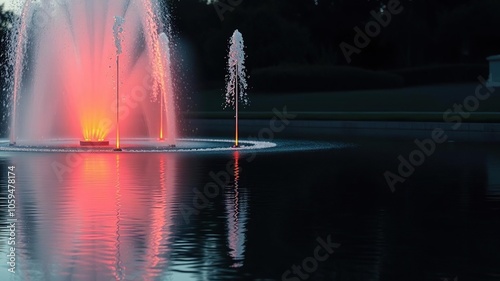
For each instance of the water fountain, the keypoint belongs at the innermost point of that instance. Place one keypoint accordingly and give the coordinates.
(236, 84)
(85, 71)
(65, 78)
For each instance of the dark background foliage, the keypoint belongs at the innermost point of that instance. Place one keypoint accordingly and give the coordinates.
(293, 45)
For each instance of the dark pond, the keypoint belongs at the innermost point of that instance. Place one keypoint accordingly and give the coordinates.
(315, 215)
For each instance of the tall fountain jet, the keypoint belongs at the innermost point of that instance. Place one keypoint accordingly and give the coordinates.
(236, 80)
(64, 82)
(167, 101)
(117, 31)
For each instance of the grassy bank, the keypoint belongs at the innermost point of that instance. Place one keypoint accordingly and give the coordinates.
(425, 103)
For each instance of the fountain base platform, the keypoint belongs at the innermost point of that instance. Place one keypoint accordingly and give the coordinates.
(94, 143)
(152, 145)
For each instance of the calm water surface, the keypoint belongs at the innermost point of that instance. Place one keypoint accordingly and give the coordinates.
(237, 216)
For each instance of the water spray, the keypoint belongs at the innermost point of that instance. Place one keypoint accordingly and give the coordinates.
(117, 30)
(236, 79)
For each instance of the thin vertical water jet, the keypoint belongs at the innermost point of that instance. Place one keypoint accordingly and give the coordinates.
(236, 82)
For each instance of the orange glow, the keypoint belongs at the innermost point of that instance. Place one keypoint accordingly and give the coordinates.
(161, 128)
(93, 113)
(161, 117)
(93, 129)
(118, 138)
(236, 141)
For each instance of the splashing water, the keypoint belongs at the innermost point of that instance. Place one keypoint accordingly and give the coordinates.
(117, 31)
(168, 102)
(64, 77)
(236, 79)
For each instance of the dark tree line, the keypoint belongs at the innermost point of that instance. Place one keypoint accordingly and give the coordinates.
(288, 32)
(303, 32)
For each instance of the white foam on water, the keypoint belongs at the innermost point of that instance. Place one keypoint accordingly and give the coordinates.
(188, 145)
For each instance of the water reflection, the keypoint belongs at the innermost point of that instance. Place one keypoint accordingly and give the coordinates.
(121, 217)
(236, 209)
(110, 218)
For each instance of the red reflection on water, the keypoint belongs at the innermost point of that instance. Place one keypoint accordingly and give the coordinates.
(236, 207)
(161, 223)
(110, 219)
